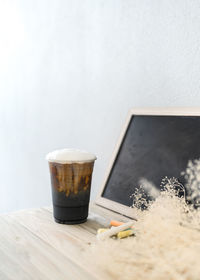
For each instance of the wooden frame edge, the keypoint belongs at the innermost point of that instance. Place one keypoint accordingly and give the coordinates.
(151, 111)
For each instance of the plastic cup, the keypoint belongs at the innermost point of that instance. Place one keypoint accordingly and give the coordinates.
(71, 176)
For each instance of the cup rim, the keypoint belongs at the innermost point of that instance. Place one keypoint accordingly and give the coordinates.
(51, 157)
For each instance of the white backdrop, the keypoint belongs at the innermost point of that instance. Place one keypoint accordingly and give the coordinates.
(69, 72)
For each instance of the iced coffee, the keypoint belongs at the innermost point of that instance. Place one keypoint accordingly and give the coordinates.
(71, 176)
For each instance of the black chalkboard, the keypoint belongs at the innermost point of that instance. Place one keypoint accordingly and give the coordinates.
(153, 147)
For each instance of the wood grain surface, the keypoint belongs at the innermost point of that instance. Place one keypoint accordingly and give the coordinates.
(33, 246)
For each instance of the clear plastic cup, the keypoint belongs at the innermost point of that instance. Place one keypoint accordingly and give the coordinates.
(71, 176)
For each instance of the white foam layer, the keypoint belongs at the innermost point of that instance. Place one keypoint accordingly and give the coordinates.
(70, 155)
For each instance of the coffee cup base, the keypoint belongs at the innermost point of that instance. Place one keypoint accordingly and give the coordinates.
(70, 215)
(70, 222)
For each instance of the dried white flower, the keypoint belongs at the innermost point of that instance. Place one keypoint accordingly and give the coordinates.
(192, 178)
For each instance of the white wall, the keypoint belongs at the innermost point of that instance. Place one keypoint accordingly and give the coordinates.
(69, 72)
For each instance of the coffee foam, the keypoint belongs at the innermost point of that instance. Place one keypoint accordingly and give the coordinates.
(70, 156)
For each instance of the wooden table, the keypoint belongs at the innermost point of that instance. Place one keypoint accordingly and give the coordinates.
(33, 246)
